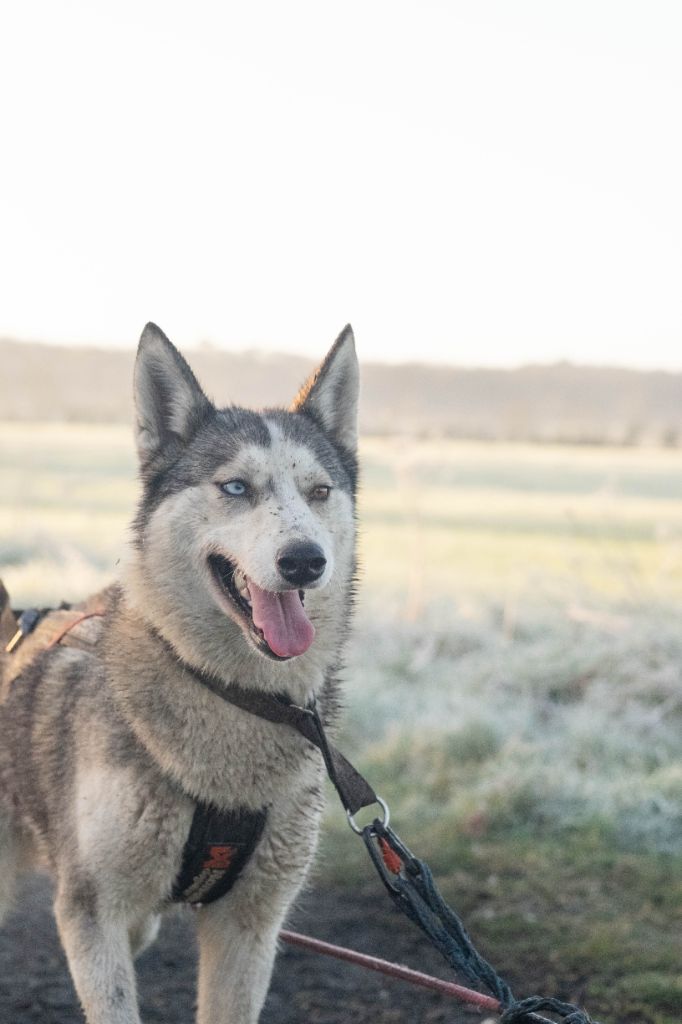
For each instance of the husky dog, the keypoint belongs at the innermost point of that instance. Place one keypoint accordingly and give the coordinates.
(241, 569)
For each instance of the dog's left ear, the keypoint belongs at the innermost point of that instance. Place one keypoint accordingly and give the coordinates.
(169, 402)
(330, 395)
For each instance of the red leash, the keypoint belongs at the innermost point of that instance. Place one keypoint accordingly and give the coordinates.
(373, 963)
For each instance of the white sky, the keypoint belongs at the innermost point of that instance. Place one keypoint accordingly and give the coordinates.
(471, 182)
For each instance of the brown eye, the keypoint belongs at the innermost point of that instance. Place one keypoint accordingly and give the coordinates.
(320, 493)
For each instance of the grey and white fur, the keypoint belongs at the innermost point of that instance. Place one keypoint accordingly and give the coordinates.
(243, 544)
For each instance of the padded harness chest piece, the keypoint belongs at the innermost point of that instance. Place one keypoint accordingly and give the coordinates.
(218, 846)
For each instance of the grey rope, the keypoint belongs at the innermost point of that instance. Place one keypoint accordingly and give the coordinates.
(416, 894)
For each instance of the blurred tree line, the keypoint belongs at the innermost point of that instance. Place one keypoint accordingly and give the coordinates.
(546, 404)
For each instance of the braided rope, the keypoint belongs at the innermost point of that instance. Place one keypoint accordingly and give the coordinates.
(414, 891)
(522, 1010)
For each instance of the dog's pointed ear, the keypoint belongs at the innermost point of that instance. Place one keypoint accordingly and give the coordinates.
(169, 403)
(330, 395)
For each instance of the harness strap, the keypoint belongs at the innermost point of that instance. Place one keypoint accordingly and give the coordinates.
(354, 790)
(99, 614)
(220, 843)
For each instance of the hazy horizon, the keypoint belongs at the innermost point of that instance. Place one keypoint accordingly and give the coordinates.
(261, 352)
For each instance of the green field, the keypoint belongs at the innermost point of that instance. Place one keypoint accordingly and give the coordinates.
(439, 520)
(514, 684)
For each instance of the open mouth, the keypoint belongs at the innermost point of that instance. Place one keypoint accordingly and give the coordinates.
(275, 622)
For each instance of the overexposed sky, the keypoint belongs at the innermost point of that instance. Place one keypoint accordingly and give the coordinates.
(473, 182)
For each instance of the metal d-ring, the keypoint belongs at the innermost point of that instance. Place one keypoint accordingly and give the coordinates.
(384, 821)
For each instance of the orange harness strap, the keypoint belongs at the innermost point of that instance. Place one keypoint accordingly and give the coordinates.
(71, 625)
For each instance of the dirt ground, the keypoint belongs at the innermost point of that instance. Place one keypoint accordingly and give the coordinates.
(35, 985)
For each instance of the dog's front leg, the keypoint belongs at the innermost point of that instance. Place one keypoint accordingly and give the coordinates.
(98, 950)
(235, 965)
(238, 933)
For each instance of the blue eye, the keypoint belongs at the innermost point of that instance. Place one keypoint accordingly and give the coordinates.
(234, 487)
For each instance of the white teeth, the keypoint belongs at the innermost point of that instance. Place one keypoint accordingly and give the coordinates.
(242, 586)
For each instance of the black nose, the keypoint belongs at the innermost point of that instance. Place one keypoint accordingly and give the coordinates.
(301, 563)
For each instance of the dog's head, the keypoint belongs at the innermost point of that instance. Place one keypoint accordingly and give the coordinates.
(246, 519)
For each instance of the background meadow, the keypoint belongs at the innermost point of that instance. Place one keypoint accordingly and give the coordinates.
(514, 682)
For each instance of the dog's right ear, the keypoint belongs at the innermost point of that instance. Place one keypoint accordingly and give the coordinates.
(169, 403)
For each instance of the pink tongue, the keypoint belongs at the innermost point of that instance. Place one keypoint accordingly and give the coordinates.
(286, 627)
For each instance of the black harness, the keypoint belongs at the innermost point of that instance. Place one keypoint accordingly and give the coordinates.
(220, 843)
